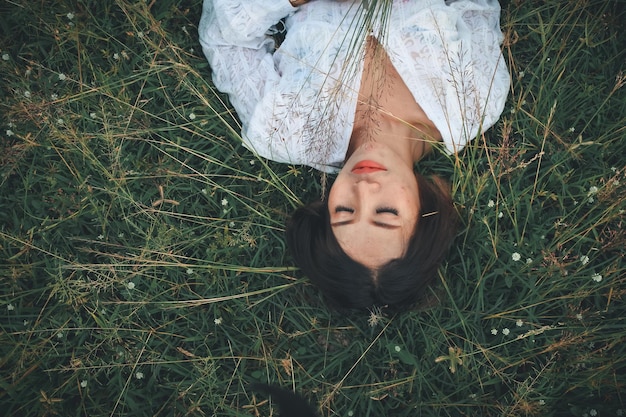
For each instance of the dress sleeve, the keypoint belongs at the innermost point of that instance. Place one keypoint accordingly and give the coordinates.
(482, 77)
(462, 81)
(233, 35)
(286, 98)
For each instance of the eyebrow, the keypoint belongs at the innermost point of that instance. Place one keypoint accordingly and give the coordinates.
(375, 223)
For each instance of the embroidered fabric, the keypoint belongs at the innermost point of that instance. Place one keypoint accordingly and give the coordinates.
(297, 103)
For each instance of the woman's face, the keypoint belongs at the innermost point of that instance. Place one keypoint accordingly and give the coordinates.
(374, 205)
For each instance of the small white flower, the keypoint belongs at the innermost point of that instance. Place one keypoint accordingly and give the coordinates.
(491, 203)
(616, 183)
(10, 307)
(100, 237)
(350, 413)
(218, 321)
(139, 375)
(571, 129)
(140, 35)
(596, 277)
(374, 318)
(592, 190)
(27, 94)
(542, 402)
(130, 285)
(397, 348)
(252, 162)
(93, 115)
(192, 116)
(584, 259)
(60, 121)
(62, 76)
(521, 74)
(494, 331)
(516, 256)
(54, 96)
(519, 323)
(204, 191)
(231, 224)
(224, 202)
(506, 331)
(593, 412)
(70, 15)
(60, 335)
(189, 271)
(9, 133)
(26, 322)
(614, 169)
(116, 56)
(120, 235)
(6, 57)
(500, 215)
(83, 383)
(579, 316)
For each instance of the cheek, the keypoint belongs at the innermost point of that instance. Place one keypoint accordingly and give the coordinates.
(409, 198)
(336, 190)
(332, 194)
(407, 192)
(333, 197)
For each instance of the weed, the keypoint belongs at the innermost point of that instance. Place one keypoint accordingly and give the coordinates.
(143, 267)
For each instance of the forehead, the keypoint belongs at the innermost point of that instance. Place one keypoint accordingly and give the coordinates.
(372, 245)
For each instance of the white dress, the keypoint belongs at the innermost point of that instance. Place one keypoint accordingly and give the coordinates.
(297, 103)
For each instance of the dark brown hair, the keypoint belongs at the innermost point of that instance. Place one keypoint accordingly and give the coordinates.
(399, 283)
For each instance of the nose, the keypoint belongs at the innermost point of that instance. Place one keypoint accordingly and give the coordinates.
(366, 184)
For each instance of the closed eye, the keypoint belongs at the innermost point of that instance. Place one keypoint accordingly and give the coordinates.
(343, 208)
(387, 210)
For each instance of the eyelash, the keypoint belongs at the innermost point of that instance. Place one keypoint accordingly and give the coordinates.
(387, 210)
(378, 210)
(343, 208)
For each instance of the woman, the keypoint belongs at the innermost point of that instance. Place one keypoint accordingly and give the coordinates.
(367, 88)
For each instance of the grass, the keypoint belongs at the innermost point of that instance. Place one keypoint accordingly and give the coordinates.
(143, 267)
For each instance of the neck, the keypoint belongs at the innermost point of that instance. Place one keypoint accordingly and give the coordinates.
(412, 142)
(386, 111)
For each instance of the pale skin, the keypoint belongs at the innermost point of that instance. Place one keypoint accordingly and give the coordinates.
(373, 214)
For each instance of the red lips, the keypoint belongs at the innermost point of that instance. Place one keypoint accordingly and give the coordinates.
(366, 167)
